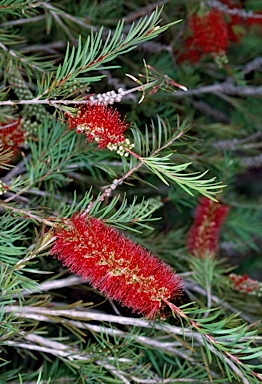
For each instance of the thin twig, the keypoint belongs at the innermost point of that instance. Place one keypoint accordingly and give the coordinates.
(233, 11)
(56, 103)
(228, 361)
(234, 144)
(253, 65)
(224, 88)
(27, 214)
(252, 161)
(108, 190)
(228, 358)
(22, 21)
(64, 351)
(196, 288)
(101, 317)
(17, 170)
(57, 284)
(214, 345)
(82, 22)
(170, 347)
(205, 108)
(13, 54)
(140, 12)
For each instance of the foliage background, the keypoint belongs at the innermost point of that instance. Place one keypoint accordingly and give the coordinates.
(55, 174)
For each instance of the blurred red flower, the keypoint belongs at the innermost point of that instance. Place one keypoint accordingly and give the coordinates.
(209, 32)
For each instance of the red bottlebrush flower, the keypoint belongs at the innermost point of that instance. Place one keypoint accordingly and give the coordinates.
(209, 32)
(244, 284)
(123, 270)
(11, 136)
(204, 233)
(102, 124)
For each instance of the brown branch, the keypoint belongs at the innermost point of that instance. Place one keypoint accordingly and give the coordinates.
(108, 190)
(39, 343)
(27, 214)
(205, 108)
(224, 88)
(90, 315)
(253, 65)
(233, 11)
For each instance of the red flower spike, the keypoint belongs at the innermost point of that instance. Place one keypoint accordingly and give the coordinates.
(210, 34)
(11, 136)
(244, 284)
(102, 124)
(123, 270)
(204, 233)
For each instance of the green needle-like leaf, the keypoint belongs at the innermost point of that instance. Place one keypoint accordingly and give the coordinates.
(167, 172)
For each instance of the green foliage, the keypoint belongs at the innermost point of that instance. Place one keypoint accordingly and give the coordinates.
(53, 154)
(160, 136)
(92, 55)
(18, 7)
(254, 5)
(166, 172)
(206, 141)
(241, 232)
(137, 214)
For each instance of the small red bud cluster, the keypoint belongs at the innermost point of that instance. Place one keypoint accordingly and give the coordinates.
(12, 136)
(204, 233)
(244, 284)
(112, 263)
(103, 125)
